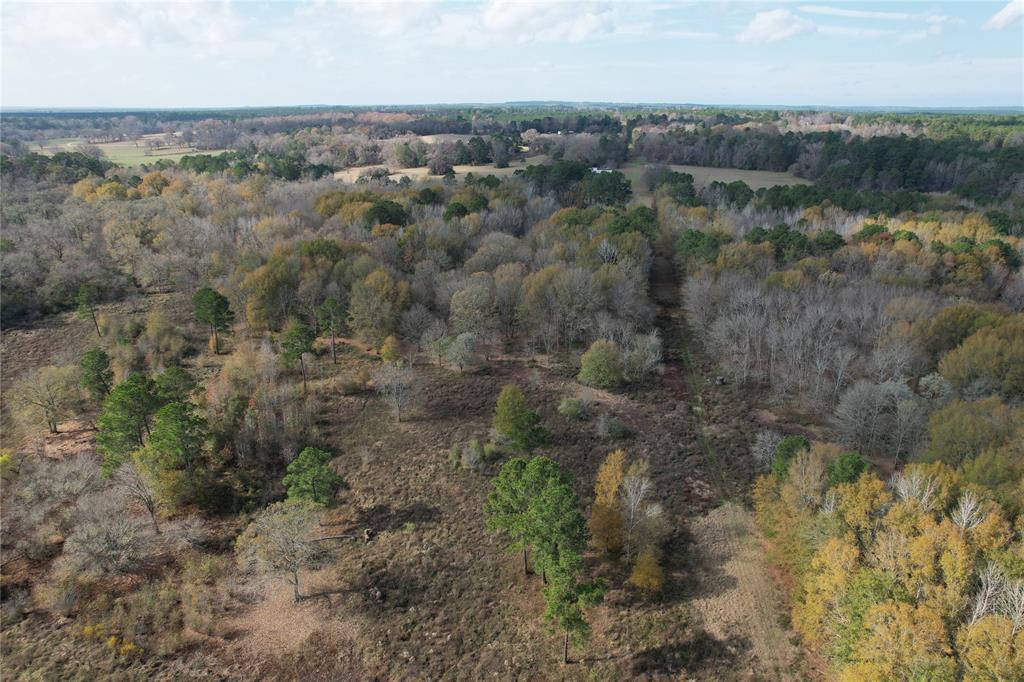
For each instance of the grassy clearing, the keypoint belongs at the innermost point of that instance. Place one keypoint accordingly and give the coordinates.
(352, 174)
(704, 176)
(125, 152)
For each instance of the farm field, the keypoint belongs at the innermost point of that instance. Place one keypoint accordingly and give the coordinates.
(352, 174)
(705, 175)
(126, 152)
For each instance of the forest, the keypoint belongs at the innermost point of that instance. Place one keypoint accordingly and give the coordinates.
(551, 408)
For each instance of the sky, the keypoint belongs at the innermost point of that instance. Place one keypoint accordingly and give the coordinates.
(155, 54)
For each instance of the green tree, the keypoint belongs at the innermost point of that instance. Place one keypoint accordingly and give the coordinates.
(86, 299)
(123, 422)
(386, 212)
(846, 468)
(297, 340)
(601, 366)
(609, 187)
(310, 478)
(566, 600)
(96, 376)
(514, 421)
(557, 529)
(390, 351)
(174, 384)
(330, 315)
(786, 451)
(508, 504)
(174, 456)
(213, 309)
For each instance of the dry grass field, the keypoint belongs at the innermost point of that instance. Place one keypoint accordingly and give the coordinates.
(127, 152)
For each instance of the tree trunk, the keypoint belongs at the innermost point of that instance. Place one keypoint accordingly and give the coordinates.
(526, 568)
(152, 517)
(295, 586)
(544, 576)
(96, 324)
(302, 366)
(565, 649)
(334, 351)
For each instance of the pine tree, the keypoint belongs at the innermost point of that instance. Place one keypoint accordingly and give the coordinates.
(516, 423)
(123, 422)
(97, 378)
(86, 301)
(566, 600)
(174, 456)
(310, 478)
(555, 525)
(213, 309)
(296, 342)
(174, 384)
(330, 315)
(508, 505)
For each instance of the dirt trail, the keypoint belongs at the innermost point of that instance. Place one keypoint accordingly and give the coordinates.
(729, 583)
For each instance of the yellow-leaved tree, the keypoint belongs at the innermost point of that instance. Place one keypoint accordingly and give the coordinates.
(605, 517)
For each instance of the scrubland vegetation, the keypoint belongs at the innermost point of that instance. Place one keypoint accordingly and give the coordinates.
(261, 422)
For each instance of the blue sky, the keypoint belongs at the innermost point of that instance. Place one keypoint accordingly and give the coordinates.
(212, 54)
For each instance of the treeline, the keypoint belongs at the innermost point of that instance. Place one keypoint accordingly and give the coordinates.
(968, 167)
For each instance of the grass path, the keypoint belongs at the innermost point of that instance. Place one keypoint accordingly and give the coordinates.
(730, 587)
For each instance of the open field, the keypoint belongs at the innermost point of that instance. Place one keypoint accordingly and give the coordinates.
(126, 152)
(705, 175)
(422, 173)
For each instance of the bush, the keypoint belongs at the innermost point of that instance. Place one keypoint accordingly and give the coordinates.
(610, 427)
(846, 468)
(472, 455)
(575, 408)
(514, 422)
(647, 573)
(601, 366)
(786, 452)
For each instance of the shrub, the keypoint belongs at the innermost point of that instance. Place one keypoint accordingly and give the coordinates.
(647, 573)
(601, 366)
(786, 452)
(575, 408)
(846, 468)
(390, 351)
(472, 455)
(514, 421)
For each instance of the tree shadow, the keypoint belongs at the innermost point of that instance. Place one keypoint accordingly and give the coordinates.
(702, 653)
(382, 517)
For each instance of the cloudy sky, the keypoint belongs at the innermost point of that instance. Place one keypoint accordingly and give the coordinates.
(211, 54)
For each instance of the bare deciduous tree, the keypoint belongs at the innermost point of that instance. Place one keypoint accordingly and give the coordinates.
(397, 386)
(279, 541)
(105, 540)
(137, 490)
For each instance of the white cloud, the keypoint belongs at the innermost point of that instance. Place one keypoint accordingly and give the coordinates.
(853, 13)
(100, 25)
(774, 25)
(853, 31)
(1013, 11)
